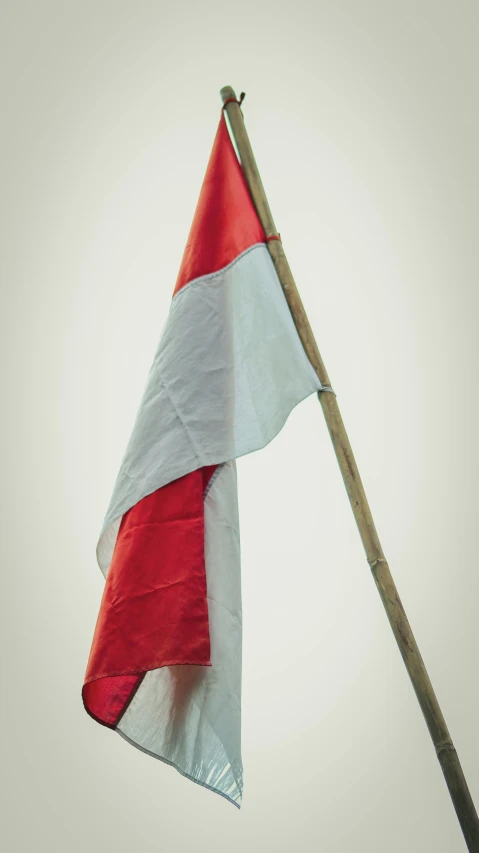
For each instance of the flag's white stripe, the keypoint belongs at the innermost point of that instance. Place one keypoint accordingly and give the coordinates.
(190, 716)
(228, 371)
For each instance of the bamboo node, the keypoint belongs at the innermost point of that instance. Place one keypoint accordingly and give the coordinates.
(375, 560)
(445, 744)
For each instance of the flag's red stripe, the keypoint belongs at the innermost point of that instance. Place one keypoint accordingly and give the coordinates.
(225, 223)
(107, 699)
(154, 610)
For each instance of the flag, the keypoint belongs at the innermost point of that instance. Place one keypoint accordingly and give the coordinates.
(165, 664)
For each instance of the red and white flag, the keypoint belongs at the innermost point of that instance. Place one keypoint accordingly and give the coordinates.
(165, 664)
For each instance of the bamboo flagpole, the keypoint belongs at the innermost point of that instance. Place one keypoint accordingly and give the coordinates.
(435, 721)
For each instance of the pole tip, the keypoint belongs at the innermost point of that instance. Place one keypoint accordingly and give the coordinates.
(227, 92)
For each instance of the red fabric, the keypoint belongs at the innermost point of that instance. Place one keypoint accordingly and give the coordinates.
(225, 221)
(154, 610)
(107, 699)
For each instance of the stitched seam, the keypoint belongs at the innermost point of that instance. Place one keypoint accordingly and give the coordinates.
(211, 276)
(212, 479)
(165, 521)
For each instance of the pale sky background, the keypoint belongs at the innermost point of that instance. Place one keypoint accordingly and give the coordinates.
(364, 120)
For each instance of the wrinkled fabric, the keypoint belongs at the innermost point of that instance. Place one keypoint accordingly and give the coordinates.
(154, 610)
(221, 385)
(191, 716)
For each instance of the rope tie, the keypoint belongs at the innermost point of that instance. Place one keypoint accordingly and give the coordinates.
(273, 237)
(326, 388)
(234, 100)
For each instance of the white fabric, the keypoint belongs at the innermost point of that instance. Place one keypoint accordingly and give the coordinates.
(229, 369)
(190, 716)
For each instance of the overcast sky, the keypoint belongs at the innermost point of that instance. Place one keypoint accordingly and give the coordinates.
(363, 118)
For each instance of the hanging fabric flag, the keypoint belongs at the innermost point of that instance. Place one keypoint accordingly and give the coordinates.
(165, 664)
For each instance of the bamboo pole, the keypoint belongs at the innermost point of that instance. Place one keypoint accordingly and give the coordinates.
(435, 721)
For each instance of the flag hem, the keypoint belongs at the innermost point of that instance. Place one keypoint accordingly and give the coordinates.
(172, 764)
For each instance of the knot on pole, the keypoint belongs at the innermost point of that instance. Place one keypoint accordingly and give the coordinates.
(273, 237)
(235, 100)
(326, 388)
